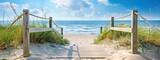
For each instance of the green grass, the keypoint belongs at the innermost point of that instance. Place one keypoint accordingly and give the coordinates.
(13, 37)
(145, 36)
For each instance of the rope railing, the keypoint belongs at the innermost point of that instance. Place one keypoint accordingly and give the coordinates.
(107, 24)
(123, 16)
(37, 16)
(26, 30)
(104, 27)
(148, 22)
(56, 25)
(44, 18)
(11, 24)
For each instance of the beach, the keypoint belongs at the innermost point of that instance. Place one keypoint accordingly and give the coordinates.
(80, 39)
(80, 30)
(49, 51)
(113, 52)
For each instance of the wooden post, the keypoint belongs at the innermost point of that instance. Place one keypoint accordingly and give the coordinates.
(26, 41)
(50, 22)
(112, 25)
(62, 32)
(134, 25)
(101, 28)
(112, 21)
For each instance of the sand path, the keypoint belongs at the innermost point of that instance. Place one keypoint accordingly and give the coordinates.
(59, 52)
(111, 51)
(80, 39)
(48, 52)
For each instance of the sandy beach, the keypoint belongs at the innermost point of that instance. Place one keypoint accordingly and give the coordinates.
(79, 30)
(47, 51)
(113, 52)
(80, 39)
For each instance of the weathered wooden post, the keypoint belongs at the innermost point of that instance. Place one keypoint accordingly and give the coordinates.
(50, 22)
(134, 25)
(101, 30)
(112, 25)
(26, 38)
(62, 32)
(112, 21)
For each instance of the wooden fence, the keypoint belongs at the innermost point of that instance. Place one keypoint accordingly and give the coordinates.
(27, 31)
(132, 30)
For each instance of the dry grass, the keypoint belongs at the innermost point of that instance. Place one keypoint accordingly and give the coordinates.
(13, 37)
(144, 36)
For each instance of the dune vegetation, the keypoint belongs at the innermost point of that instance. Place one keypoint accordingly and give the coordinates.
(13, 37)
(145, 36)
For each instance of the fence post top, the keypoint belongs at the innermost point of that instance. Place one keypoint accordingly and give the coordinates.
(50, 17)
(25, 10)
(112, 17)
(134, 10)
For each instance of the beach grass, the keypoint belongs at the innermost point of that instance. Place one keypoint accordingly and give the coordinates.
(145, 36)
(13, 37)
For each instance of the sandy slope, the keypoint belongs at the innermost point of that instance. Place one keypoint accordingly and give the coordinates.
(48, 52)
(113, 52)
(124, 53)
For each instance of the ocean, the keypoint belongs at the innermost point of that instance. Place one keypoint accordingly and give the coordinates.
(87, 26)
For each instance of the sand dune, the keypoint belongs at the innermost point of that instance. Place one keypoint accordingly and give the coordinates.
(48, 52)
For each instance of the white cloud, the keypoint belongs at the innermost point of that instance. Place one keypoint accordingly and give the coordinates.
(72, 4)
(106, 2)
(77, 13)
(90, 14)
(62, 3)
(6, 6)
(37, 12)
(25, 6)
(75, 8)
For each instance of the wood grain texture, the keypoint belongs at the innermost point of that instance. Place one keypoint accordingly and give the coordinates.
(31, 30)
(50, 22)
(134, 25)
(121, 29)
(26, 38)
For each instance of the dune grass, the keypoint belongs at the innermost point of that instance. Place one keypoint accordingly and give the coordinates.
(13, 37)
(145, 36)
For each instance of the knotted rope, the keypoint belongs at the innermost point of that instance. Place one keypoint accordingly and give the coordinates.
(148, 22)
(38, 16)
(123, 16)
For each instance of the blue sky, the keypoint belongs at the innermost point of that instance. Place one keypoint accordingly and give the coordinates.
(82, 9)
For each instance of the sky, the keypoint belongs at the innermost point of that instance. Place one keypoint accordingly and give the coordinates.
(82, 9)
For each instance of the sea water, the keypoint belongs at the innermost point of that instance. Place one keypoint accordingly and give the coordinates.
(86, 26)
